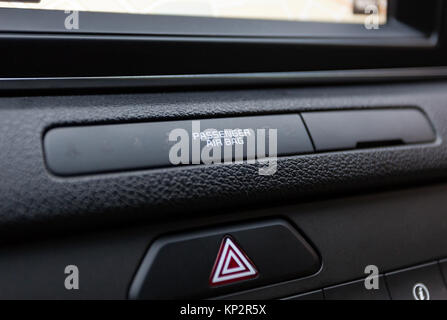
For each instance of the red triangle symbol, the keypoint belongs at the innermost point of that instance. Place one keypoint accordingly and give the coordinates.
(232, 264)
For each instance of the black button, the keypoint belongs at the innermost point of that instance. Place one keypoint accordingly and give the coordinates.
(102, 148)
(356, 290)
(314, 295)
(419, 283)
(341, 130)
(225, 260)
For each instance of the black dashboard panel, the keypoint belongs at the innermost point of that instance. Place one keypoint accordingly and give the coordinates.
(28, 186)
(92, 207)
(341, 229)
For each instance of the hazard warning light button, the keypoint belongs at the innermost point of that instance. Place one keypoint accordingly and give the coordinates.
(232, 264)
(221, 261)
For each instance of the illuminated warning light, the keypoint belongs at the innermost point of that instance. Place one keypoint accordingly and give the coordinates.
(232, 264)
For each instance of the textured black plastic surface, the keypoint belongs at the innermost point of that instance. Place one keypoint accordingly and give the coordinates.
(356, 290)
(95, 149)
(343, 130)
(350, 233)
(315, 295)
(30, 194)
(105, 262)
(354, 232)
(180, 266)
